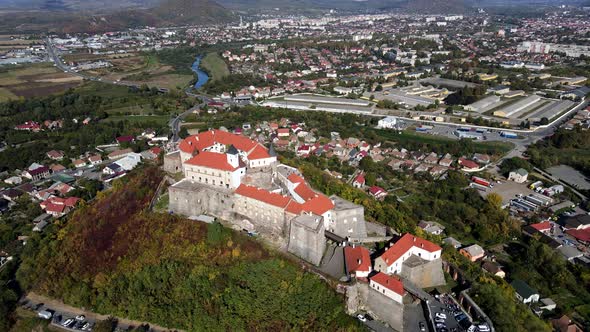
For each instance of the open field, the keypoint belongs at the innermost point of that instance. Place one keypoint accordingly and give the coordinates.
(215, 66)
(6, 95)
(34, 80)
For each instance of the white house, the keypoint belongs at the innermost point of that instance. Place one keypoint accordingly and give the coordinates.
(391, 260)
(524, 293)
(389, 286)
(519, 176)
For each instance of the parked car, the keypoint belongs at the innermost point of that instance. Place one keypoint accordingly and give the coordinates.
(440, 315)
(67, 322)
(44, 314)
(361, 318)
(80, 317)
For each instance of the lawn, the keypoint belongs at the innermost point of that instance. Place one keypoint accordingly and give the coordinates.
(6, 95)
(215, 66)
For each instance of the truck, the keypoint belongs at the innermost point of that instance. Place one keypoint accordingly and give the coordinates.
(481, 181)
(535, 185)
(508, 134)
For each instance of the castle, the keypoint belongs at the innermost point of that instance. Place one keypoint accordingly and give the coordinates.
(239, 180)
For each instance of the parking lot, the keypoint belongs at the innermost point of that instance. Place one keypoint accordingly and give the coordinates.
(508, 190)
(447, 315)
(72, 319)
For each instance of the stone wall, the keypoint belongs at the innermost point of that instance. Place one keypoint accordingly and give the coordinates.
(172, 162)
(424, 275)
(361, 297)
(306, 242)
(192, 199)
(348, 219)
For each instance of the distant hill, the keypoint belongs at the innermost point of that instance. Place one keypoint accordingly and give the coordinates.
(88, 16)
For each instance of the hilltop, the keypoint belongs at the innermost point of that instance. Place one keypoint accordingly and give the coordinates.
(114, 257)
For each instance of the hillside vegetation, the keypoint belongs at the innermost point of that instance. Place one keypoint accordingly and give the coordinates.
(113, 257)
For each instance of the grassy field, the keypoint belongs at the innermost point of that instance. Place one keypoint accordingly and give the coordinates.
(34, 80)
(215, 66)
(6, 95)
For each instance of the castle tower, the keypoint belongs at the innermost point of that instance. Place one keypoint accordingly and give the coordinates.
(233, 157)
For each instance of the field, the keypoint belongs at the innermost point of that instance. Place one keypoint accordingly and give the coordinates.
(215, 66)
(135, 67)
(34, 80)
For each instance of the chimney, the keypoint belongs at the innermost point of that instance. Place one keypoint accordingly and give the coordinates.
(358, 261)
(414, 239)
(421, 245)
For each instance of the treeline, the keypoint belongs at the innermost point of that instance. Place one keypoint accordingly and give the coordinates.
(113, 257)
(569, 147)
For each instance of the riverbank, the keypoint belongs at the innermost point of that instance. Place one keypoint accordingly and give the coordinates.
(202, 76)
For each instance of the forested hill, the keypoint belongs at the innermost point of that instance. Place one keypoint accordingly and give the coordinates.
(115, 258)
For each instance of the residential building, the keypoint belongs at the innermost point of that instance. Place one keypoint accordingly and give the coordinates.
(392, 259)
(358, 261)
(473, 252)
(389, 286)
(524, 293)
(519, 176)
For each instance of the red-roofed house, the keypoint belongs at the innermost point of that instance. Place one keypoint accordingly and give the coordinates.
(468, 165)
(359, 181)
(543, 227)
(389, 286)
(57, 206)
(377, 192)
(125, 139)
(358, 261)
(392, 259)
(283, 132)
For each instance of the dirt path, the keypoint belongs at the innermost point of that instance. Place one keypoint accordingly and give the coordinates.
(61, 307)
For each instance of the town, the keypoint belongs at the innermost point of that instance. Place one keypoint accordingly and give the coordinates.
(429, 170)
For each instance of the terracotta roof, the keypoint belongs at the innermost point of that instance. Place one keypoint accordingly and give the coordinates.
(360, 179)
(212, 160)
(263, 196)
(389, 282)
(208, 138)
(259, 152)
(542, 226)
(376, 190)
(357, 259)
(294, 178)
(318, 205)
(468, 163)
(581, 235)
(404, 244)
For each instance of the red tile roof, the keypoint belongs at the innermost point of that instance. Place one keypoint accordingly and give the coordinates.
(357, 259)
(259, 152)
(211, 160)
(360, 179)
(389, 282)
(263, 196)
(580, 234)
(468, 163)
(404, 244)
(374, 190)
(196, 143)
(542, 226)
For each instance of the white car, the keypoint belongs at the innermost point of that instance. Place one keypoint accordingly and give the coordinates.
(67, 322)
(361, 318)
(80, 317)
(440, 315)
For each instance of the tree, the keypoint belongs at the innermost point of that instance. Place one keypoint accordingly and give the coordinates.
(107, 325)
(495, 200)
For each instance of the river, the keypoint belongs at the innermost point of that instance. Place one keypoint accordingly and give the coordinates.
(201, 75)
